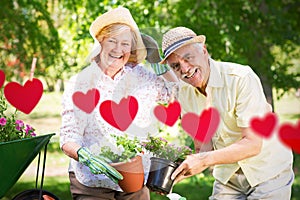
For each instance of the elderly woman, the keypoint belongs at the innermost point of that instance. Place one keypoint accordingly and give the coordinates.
(83, 133)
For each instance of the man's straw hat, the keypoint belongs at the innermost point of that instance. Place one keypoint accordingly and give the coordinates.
(119, 15)
(176, 38)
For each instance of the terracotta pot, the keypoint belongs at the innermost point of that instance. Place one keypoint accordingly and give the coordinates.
(159, 179)
(133, 174)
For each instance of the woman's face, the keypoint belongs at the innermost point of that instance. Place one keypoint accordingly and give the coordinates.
(115, 52)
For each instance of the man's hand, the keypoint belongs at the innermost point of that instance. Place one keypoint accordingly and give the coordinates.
(98, 165)
(192, 165)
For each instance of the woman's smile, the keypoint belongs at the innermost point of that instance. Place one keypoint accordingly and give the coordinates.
(116, 56)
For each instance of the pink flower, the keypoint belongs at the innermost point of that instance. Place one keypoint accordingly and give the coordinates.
(2, 121)
(163, 139)
(20, 125)
(30, 130)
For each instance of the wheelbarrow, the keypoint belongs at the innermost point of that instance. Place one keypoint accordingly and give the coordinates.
(15, 157)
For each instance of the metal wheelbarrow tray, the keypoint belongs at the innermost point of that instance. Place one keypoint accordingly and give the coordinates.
(15, 157)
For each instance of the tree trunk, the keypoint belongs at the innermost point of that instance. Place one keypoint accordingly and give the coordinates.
(267, 89)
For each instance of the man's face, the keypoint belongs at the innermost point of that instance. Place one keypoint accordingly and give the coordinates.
(190, 64)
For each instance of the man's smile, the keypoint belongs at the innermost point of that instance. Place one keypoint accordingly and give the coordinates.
(190, 74)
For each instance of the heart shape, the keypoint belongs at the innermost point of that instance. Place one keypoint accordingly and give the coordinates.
(86, 102)
(168, 115)
(24, 98)
(264, 126)
(119, 115)
(2, 78)
(203, 127)
(290, 136)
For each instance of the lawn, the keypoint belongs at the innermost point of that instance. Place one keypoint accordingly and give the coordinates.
(46, 119)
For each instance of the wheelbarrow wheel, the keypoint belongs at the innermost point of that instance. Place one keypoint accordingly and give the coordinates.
(34, 194)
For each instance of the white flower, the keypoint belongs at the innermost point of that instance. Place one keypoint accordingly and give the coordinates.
(119, 150)
(174, 196)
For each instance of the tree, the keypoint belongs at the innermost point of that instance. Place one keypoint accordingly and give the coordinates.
(27, 31)
(255, 33)
(262, 34)
(247, 32)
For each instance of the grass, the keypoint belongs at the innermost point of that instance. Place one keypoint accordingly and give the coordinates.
(46, 119)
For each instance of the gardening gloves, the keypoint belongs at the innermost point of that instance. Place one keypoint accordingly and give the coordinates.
(153, 56)
(98, 165)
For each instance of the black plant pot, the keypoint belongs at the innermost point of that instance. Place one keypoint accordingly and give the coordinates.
(159, 179)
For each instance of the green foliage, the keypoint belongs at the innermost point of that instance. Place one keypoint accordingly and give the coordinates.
(237, 31)
(57, 32)
(27, 31)
(127, 149)
(161, 148)
(245, 32)
(59, 186)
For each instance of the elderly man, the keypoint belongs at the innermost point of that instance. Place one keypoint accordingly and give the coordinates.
(246, 166)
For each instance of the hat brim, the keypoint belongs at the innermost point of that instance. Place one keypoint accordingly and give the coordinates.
(196, 39)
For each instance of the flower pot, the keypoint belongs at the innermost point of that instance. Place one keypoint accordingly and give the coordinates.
(133, 174)
(159, 179)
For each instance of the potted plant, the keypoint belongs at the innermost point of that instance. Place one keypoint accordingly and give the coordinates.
(166, 158)
(127, 161)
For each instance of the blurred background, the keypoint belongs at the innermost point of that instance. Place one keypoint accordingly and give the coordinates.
(262, 34)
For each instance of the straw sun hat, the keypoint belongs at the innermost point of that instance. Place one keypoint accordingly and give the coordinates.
(176, 38)
(117, 15)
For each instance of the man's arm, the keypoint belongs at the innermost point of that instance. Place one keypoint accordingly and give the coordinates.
(250, 145)
(203, 147)
(168, 75)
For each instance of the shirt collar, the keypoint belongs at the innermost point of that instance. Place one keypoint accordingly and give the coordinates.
(215, 79)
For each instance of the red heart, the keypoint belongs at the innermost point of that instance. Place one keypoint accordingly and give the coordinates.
(86, 102)
(201, 128)
(264, 126)
(2, 78)
(290, 135)
(24, 98)
(119, 115)
(168, 115)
